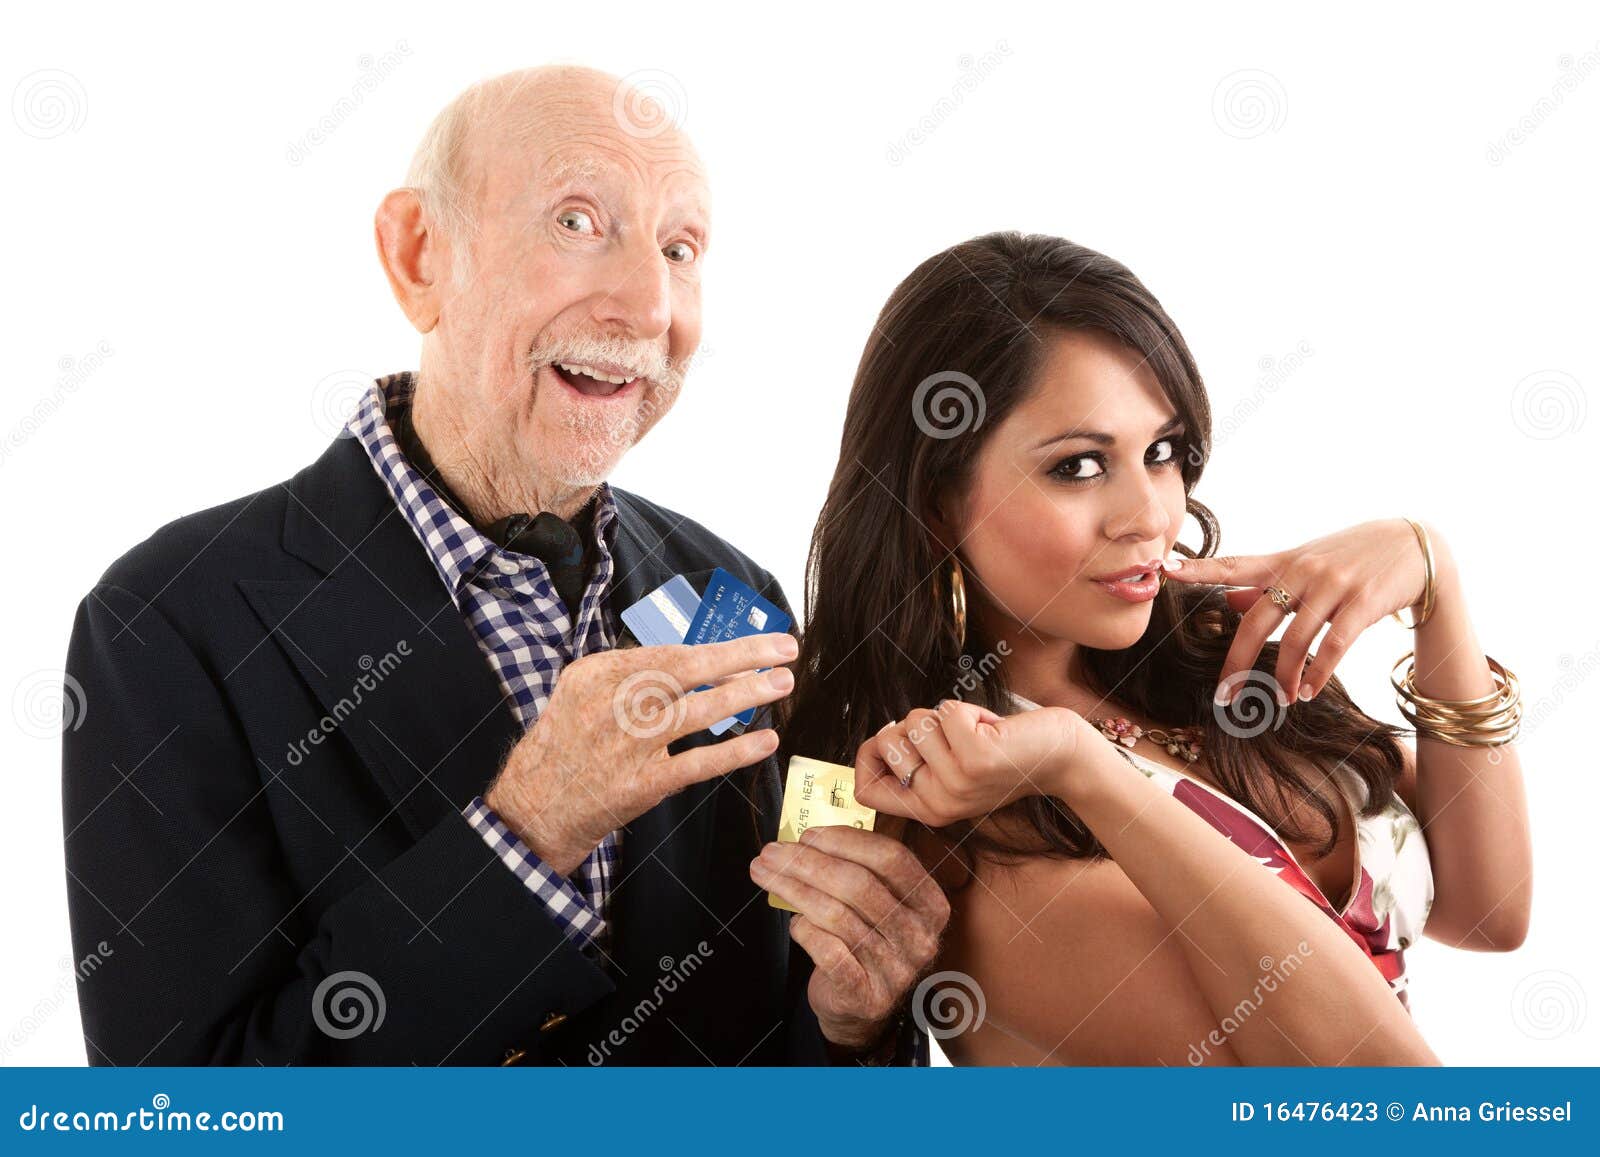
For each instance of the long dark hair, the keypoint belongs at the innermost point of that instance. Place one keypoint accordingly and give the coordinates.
(955, 349)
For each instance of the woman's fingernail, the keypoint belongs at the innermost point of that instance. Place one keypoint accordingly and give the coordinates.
(1306, 692)
(1220, 697)
(1174, 561)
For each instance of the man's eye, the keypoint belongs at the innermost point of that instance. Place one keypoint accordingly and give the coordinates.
(680, 252)
(575, 220)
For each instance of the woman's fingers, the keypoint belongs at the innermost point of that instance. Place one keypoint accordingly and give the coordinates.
(1231, 570)
(1346, 626)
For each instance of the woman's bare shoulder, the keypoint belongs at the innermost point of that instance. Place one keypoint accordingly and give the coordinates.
(1072, 962)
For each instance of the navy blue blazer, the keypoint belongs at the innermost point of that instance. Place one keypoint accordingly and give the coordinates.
(248, 881)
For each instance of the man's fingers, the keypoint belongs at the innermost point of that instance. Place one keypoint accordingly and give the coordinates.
(710, 760)
(888, 859)
(701, 709)
(830, 954)
(694, 665)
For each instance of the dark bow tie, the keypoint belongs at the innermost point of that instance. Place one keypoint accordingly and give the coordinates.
(555, 542)
(548, 537)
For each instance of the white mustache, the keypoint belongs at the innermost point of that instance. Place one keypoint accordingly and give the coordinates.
(633, 359)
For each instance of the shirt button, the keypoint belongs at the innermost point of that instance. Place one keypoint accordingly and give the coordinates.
(506, 566)
(554, 1020)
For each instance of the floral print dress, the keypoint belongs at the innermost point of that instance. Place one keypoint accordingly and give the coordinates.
(1394, 889)
(1394, 877)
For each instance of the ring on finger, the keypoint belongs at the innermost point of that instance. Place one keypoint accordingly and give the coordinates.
(1282, 598)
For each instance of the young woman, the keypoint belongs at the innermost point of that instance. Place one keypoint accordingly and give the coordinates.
(1139, 871)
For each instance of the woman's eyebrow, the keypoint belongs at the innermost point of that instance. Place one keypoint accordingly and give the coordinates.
(1172, 426)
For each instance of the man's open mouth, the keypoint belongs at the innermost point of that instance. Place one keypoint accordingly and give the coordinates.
(593, 381)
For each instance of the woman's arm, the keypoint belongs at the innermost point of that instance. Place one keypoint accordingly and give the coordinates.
(1469, 800)
(1231, 917)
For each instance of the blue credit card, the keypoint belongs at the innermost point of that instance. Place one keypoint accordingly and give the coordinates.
(662, 616)
(732, 610)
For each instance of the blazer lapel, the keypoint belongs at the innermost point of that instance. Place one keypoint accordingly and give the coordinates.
(381, 644)
(665, 852)
(430, 721)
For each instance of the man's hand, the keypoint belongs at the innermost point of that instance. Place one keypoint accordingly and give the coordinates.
(597, 757)
(869, 915)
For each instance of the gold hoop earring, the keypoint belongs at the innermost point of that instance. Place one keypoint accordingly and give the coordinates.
(958, 601)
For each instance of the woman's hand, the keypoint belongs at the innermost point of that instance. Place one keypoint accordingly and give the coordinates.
(1348, 581)
(961, 761)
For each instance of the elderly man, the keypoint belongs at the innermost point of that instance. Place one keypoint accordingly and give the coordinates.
(369, 773)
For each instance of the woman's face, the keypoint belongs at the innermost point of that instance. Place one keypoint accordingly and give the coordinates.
(1080, 481)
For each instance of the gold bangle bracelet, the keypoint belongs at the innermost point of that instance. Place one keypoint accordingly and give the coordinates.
(1427, 584)
(1485, 721)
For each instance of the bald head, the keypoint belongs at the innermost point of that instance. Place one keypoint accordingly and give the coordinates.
(511, 116)
(548, 246)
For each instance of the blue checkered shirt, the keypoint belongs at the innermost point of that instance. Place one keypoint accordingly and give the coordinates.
(523, 628)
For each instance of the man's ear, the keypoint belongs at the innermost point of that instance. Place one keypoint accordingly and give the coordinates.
(413, 257)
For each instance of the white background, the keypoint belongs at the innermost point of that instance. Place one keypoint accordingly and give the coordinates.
(1339, 183)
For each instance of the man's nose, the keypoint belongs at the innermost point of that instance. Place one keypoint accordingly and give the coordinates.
(638, 299)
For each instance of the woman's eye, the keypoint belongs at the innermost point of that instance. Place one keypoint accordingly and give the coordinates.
(680, 253)
(575, 221)
(1071, 469)
(1172, 450)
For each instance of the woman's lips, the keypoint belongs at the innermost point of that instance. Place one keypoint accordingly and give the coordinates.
(1140, 590)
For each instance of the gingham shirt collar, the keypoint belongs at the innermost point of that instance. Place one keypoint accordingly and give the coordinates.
(459, 551)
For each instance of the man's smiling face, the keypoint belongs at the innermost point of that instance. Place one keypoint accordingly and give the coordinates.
(567, 339)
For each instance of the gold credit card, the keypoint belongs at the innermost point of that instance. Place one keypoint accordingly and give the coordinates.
(817, 794)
